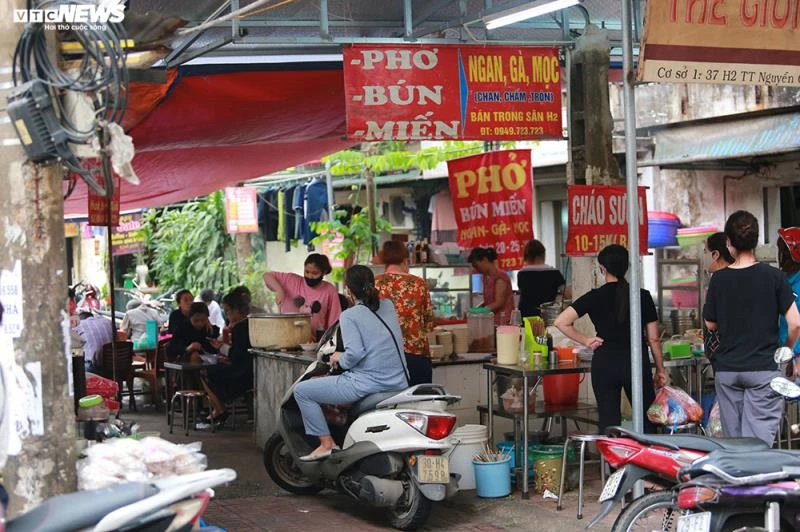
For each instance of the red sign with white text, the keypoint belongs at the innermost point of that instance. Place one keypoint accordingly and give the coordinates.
(598, 216)
(493, 203)
(452, 92)
(98, 207)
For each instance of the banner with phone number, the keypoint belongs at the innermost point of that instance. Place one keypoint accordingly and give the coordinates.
(452, 92)
(598, 217)
(493, 203)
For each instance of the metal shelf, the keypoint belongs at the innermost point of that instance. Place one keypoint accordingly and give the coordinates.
(445, 290)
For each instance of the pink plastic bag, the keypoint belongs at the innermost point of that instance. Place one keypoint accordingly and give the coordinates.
(673, 406)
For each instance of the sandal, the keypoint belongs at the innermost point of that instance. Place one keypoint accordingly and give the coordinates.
(315, 456)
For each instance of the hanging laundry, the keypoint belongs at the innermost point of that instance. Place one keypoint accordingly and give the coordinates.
(443, 218)
(316, 202)
(422, 218)
(291, 218)
(281, 199)
(298, 205)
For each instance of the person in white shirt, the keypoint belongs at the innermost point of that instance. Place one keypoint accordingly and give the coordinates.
(135, 321)
(214, 310)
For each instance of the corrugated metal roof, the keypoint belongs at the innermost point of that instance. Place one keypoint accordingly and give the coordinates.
(732, 140)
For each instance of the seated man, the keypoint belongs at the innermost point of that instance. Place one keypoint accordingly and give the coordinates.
(135, 321)
(94, 331)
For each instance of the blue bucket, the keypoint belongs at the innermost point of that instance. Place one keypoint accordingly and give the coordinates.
(492, 479)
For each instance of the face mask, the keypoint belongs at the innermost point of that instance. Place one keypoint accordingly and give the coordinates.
(313, 281)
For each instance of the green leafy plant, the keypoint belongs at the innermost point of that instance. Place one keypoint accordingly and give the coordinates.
(357, 237)
(188, 247)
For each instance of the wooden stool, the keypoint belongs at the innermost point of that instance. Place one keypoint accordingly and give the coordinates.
(186, 398)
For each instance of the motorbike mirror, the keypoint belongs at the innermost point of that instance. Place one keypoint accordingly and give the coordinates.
(785, 387)
(783, 355)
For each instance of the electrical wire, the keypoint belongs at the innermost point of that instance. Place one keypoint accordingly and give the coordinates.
(101, 75)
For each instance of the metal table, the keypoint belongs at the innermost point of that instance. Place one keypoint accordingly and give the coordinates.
(525, 373)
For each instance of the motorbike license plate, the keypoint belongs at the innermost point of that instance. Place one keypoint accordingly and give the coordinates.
(612, 485)
(433, 469)
(699, 522)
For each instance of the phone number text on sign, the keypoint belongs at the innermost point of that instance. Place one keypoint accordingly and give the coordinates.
(451, 92)
(598, 217)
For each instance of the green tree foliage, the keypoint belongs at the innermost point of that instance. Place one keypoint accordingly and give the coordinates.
(188, 247)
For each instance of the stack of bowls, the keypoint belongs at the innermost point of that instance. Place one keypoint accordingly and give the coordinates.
(437, 352)
(460, 339)
(445, 339)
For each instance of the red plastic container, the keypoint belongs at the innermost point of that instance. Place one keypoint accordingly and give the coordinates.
(562, 389)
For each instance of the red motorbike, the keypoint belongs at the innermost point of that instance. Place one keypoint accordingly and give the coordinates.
(654, 458)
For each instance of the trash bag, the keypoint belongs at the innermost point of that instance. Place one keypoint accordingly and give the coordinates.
(714, 428)
(673, 407)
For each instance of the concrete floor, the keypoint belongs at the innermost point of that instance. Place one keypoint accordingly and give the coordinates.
(254, 503)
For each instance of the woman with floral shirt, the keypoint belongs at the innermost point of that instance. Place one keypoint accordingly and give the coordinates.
(412, 301)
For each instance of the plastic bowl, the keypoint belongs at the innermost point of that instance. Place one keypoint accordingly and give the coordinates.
(308, 347)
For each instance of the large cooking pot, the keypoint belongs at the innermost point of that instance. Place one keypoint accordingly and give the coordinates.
(280, 331)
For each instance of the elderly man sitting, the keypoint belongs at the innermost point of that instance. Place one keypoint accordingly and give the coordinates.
(135, 321)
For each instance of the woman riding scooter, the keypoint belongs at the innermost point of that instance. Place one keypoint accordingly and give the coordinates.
(372, 358)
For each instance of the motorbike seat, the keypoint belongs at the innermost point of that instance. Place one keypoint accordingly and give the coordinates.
(80, 510)
(369, 403)
(694, 442)
(745, 464)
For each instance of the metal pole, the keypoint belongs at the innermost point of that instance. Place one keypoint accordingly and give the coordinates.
(324, 30)
(106, 169)
(329, 187)
(633, 216)
(408, 20)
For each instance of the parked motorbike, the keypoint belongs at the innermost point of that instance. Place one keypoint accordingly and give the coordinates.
(661, 508)
(731, 491)
(392, 451)
(655, 458)
(84, 298)
(172, 504)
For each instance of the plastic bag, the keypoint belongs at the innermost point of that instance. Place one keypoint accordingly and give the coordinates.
(97, 385)
(129, 460)
(714, 428)
(673, 406)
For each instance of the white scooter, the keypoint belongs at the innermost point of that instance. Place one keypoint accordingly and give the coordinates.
(392, 453)
(169, 504)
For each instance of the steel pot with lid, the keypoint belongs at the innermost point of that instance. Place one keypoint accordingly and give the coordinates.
(280, 331)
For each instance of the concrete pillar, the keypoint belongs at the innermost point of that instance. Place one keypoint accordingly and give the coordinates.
(591, 127)
(36, 372)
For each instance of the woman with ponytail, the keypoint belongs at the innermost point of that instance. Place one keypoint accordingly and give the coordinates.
(373, 359)
(609, 309)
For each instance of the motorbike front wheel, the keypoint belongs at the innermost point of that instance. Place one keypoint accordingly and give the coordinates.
(654, 511)
(282, 470)
(412, 509)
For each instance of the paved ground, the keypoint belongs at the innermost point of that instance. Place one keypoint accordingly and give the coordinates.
(254, 503)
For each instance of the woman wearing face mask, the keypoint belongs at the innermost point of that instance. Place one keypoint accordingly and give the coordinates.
(717, 256)
(372, 357)
(608, 308)
(307, 293)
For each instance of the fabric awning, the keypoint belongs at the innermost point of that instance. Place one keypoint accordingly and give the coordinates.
(746, 138)
(214, 128)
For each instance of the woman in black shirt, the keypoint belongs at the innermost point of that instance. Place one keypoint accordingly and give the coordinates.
(538, 283)
(179, 325)
(233, 375)
(743, 303)
(608, 308)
